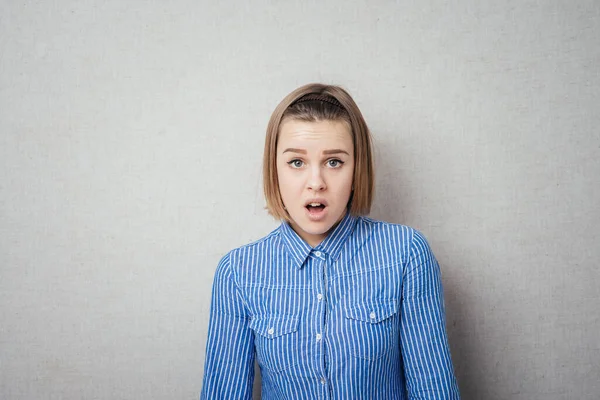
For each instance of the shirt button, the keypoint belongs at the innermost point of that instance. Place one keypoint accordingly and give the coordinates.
(319, 297)
(372, 315)
(318, 337)
(318, 253)
(271, 331)
(323, 381)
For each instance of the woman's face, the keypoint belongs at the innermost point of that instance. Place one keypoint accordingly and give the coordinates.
(315, 168)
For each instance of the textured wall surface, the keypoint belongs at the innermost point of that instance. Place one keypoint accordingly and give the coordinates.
(131, 136)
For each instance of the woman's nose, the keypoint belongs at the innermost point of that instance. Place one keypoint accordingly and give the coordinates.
(315, 181)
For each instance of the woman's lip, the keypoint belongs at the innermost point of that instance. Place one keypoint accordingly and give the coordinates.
(319, 201)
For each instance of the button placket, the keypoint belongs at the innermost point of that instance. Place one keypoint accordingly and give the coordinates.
(321, 306)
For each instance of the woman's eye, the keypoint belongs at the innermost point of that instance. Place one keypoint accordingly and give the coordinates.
(334, 163)
(295, 163)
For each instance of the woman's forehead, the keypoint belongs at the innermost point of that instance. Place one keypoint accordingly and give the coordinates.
(315, 132)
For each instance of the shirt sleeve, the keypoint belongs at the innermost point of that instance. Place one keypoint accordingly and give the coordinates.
(229, 361)
(427, 364)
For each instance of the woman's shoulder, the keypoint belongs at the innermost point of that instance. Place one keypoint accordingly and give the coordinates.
(391, 233)
(386, 228)
(392, 240)
(255, 247)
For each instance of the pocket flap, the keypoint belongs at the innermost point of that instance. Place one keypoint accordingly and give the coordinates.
(272, 326)
(372, 311)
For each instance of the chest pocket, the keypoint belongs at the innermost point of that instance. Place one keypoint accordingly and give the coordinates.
(373, 326)
(276, 341)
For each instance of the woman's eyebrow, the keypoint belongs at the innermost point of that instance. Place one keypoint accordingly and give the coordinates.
(294, 151)
(336, 151)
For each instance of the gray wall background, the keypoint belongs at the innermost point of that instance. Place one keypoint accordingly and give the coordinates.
(131, 137)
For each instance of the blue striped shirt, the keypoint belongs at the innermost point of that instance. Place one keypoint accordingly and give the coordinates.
(360, 316)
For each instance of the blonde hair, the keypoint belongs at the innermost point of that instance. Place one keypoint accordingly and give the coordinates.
(319, 102)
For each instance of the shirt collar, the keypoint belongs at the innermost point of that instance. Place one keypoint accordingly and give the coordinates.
(331, 245)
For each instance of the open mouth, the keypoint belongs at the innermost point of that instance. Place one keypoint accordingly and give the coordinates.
(316, 207)
(316, 210)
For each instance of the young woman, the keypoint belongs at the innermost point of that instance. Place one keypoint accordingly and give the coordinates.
(332, 304)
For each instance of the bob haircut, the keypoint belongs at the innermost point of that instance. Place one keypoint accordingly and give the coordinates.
(318, 102)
